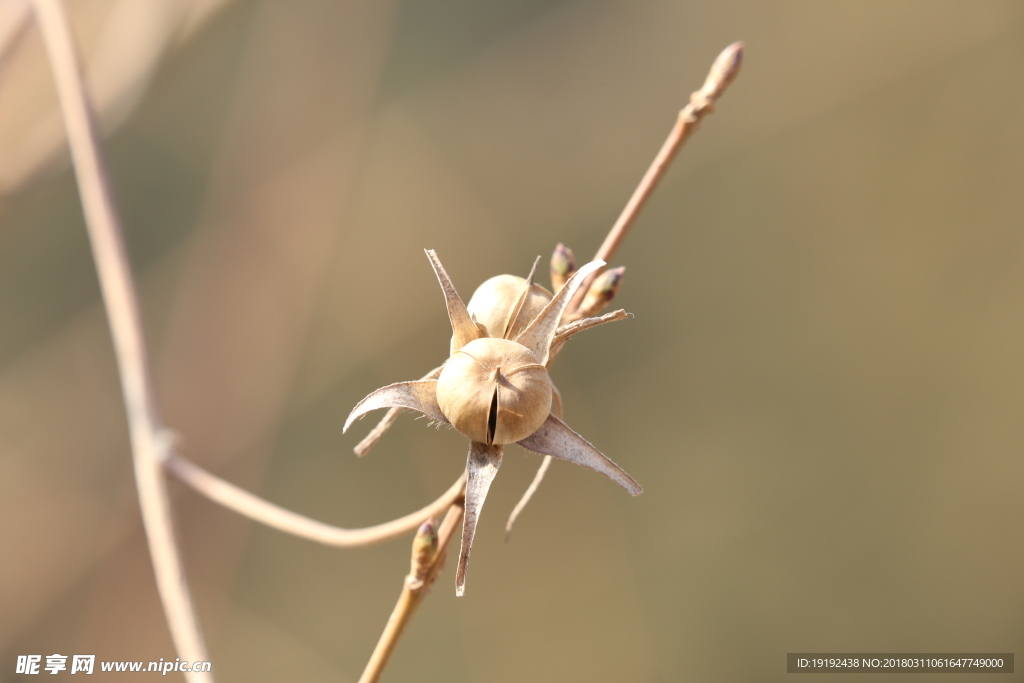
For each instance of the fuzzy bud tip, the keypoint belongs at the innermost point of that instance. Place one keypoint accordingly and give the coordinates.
(602, 291)
(723, 71)
(563, 264)
(424, 547)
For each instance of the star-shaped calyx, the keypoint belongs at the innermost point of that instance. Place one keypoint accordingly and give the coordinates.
(496, 390)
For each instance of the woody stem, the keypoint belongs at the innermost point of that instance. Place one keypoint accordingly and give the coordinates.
(414, 589)
(722, 72)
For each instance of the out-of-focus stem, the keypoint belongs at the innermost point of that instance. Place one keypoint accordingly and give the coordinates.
(265, 512)
(150, 442)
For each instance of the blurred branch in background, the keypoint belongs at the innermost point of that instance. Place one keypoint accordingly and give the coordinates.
(135, 39)
(260, 510)
(150, 441)
(152, 445)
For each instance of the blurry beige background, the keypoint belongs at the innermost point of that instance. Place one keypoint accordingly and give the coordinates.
(821, 390)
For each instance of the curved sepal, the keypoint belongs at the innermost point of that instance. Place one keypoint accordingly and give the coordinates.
(364, 446)
(538, 335)
(554, 438)
(481, 466)
(565, 332)
(420, 396)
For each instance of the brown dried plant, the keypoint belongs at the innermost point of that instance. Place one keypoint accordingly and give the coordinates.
(494, 388)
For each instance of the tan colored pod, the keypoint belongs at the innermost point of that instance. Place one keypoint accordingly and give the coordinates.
(494, 391)
(496, 305)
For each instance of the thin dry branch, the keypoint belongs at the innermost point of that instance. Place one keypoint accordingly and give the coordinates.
(414, 589)
(723, 71)
(527, 495)
(149, 440)
(276, 517)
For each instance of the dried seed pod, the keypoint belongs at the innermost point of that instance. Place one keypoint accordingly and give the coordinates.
(494, 391)
(505, 305)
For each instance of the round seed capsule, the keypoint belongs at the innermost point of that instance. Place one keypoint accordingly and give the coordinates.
(494, 391)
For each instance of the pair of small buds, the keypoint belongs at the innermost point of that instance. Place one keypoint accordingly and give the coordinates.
(601, 291)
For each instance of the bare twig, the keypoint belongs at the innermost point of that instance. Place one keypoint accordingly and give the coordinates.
(527, 495)
(722, 73)
(414, 589)
(149, 441)
(274, 516)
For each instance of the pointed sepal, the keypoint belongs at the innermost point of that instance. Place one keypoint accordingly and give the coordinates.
(368, 442)
(554, 438)
(538, 334)
(420, 396)
(565, 332)
(464, 330)
(515, 322)
(481, 467)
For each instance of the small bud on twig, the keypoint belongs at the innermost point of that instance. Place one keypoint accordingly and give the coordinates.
(723, 72)
(563, 264)
(424, 548)
(604, 289)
